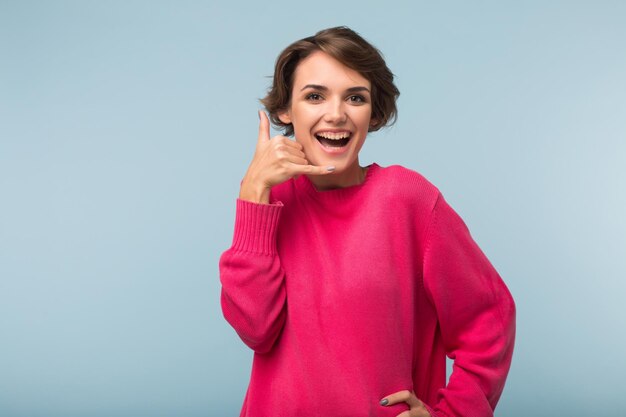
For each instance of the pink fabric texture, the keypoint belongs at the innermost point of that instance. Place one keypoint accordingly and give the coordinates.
(349, 295)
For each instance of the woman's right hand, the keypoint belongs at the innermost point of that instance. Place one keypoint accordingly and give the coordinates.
(275, 161)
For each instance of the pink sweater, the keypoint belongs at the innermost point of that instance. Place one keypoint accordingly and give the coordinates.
(350, 295)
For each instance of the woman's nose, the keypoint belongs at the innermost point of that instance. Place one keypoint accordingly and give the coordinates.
(335, 112)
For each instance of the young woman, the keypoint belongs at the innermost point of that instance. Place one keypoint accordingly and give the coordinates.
(352, 284)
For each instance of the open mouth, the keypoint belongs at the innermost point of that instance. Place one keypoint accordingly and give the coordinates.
(333, 140)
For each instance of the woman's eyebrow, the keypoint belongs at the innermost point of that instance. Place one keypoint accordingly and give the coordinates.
(357, 89)
(324, 88)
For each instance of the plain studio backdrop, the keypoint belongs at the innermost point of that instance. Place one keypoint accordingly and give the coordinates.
(125, 128)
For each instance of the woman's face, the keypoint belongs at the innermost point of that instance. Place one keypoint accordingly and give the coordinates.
(330, 110)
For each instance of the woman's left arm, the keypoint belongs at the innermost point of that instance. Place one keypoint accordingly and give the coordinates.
(476, 314)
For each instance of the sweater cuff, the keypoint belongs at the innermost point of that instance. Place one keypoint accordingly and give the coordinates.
(255, 226)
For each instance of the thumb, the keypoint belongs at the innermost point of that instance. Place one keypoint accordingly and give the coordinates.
(264, 127)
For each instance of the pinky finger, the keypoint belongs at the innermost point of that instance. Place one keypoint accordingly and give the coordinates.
(311, 169)
(317, 170)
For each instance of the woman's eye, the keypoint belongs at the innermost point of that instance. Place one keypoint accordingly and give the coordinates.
(357, 99)
(313, 97)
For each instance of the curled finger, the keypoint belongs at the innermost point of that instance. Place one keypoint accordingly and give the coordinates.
(405, 396)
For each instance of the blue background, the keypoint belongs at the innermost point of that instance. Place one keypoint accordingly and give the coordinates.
(125, 128)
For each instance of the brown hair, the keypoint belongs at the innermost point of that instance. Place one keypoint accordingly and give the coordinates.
(347, 47)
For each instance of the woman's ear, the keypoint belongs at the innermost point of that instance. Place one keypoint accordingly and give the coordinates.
(284, 117)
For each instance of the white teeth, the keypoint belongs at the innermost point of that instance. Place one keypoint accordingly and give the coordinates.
(334, 136)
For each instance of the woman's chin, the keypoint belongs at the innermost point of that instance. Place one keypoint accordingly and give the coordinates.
(339, 162)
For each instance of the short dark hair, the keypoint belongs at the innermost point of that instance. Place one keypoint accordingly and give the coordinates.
(347, 47)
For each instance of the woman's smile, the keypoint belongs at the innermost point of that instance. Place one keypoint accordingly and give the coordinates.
(333, 141)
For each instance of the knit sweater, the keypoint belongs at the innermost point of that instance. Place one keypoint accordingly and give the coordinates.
(352, 294)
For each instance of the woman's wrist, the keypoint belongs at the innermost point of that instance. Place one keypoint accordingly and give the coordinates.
(254, 193)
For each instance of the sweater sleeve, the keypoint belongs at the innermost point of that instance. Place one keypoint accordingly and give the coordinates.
(253, 294)
(476, 315)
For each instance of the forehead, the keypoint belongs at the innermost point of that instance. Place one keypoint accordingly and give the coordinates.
(320, 68)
